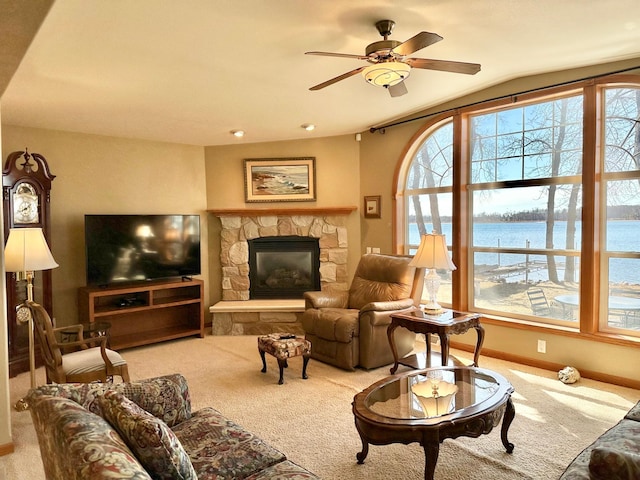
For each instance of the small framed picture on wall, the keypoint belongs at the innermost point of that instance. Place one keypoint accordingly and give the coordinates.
(372, 207)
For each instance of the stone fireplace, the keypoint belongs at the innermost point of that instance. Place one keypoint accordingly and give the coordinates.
(239, 313)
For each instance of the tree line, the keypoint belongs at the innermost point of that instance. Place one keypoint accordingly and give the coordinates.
(614, 212)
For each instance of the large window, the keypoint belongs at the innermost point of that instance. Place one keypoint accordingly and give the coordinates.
(621, 173)
(429, 189)
(518, 209)
(525, 183)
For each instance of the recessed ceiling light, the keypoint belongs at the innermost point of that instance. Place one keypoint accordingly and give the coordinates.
(308, 126)
(237, 133)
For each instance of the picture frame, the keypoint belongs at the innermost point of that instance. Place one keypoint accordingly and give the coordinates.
(280, 179)
(372, 206)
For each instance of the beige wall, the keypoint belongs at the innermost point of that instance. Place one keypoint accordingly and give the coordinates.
(5, 413)
(98, 174)
(337, 183)
(380, 155)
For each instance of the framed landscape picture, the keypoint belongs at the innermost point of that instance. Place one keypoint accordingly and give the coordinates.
(280, 179)
(372, 207)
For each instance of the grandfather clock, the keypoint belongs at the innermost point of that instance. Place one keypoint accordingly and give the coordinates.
(26, 187)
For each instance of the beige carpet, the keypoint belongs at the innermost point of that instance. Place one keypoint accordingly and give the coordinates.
(311, 420)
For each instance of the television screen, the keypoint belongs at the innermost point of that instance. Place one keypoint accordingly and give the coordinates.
(132, 248)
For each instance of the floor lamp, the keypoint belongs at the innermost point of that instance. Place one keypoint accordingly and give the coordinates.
(433, 255)
(25, 253)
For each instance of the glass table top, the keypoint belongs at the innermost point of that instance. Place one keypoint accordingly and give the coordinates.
(435, 392)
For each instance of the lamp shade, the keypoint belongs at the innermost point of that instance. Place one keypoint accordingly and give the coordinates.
(433, 253)
(386, 74)
(435, 400)
(27, 251)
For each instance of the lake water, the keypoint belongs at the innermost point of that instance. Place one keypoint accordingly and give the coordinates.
(623, 236)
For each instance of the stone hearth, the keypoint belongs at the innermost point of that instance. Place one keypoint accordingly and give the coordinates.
(236, 314)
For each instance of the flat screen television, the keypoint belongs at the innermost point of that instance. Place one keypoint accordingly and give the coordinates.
(139, 248)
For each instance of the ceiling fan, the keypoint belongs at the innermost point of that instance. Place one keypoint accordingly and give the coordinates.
(389, 63)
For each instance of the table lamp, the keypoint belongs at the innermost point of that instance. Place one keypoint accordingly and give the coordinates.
(25, 253)
(433, 255)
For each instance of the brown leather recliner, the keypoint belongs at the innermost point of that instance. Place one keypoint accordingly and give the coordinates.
(349, 329)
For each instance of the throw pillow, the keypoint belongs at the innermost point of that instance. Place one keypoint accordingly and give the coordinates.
(149, 438)
(612, 464)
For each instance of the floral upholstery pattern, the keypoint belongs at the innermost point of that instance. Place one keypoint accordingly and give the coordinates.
(220, 449)
(614, 464)
(615, 455)
(282, 348)
(76, 442)
(82, 444)
(166, 397)
(150, 439)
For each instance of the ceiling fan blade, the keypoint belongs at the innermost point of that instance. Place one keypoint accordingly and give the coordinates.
(337, 79)
(417, 42)
(343, 55)
(397, 90)
(444, 65)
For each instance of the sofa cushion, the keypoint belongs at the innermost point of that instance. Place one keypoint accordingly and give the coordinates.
(220, 449)
(613, 464)
(152, 441)
(166, 397)
(622, 437)
(77, 444)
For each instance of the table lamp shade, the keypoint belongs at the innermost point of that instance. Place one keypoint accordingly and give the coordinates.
(27, 251)
(433, 253)
(435, 399)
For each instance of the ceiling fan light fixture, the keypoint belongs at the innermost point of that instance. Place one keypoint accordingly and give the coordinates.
(386, 74)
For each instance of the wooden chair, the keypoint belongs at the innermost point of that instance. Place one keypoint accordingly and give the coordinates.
(539, 303)
(92, 361)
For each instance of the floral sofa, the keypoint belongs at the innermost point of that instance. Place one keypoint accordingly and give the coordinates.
(143, 430)
(615, 455)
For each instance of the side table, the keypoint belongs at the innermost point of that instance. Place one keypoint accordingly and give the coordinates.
(449, 322)
(89, 330)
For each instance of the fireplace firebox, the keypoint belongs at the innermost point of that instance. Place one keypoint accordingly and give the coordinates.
(283, 267)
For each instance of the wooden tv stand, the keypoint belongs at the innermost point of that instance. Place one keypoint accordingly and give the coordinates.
(142, 314)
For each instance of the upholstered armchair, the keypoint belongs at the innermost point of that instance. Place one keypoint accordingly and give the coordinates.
(91, 361)
(349, 329)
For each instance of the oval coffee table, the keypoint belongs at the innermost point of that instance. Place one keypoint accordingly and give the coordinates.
(390, 412)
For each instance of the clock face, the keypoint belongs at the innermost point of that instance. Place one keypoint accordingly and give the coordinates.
(25, 204)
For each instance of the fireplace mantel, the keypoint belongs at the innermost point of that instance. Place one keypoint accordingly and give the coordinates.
(270, 211)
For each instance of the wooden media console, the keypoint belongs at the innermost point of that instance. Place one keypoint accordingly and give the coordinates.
(143, 314)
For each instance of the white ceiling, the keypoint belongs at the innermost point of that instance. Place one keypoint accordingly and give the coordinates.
(191, 71)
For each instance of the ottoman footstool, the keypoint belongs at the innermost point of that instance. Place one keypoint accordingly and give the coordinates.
(284, 346)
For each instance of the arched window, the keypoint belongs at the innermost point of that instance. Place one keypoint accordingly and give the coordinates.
(428, 187)
(545, 207)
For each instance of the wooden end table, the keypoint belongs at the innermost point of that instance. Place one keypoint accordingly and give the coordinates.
(449, 322)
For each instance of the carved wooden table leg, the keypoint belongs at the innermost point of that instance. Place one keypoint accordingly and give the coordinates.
(444, 348)
(431, 451)
(476, 354)
(360, 456)
(392, 327)
(509, 415)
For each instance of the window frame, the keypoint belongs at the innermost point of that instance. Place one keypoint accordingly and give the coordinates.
(593, 249)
